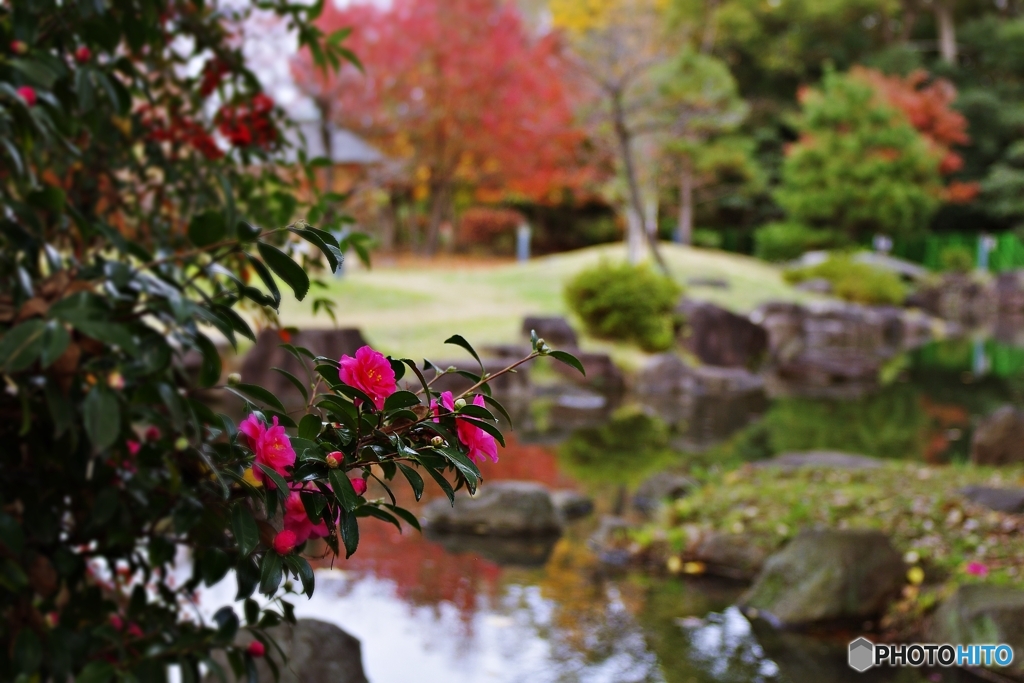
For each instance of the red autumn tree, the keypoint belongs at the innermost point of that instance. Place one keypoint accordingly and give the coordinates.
(459, 90)
(927, 104)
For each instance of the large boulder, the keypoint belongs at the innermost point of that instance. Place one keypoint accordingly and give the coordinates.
(833, 460)
(661, 488)
(734, 556)
(719, 337)
(827, 576)
(999, 438)
(602, 373)
(315, 652)
(977, 614)
(1010, 292)
(667, 373)
(267, 354)
(965, 298)
(555, 330)
(572, 505)
(998, 499)
(501, 508)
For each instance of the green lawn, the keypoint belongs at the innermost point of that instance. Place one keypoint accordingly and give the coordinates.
(411, 311)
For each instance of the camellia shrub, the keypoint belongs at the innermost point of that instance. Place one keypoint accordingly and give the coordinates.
(132, 198)
(626, 303)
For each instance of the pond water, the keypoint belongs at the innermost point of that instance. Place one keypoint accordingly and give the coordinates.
(453, 610)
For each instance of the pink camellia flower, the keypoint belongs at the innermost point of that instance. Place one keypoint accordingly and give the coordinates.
(83, 54)
(135, 631)
(297, 521)
(133, 447)
(116, 621)
(359, 485)
(481, 445)
(977, 569)
(153, 433)
(284, 542)
(28, 93)
(371, 373)
(256, 649)
(271, 446)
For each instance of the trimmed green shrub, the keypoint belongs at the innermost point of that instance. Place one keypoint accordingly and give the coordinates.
(957, 258)
(856, 282)
(709, 239)
(625, 303)
(786, 241)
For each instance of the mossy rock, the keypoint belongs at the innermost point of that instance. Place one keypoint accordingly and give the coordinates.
(827, 576)
(980, 614)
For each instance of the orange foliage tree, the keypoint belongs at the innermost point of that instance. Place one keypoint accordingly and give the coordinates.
(927, 104)
(457, 89)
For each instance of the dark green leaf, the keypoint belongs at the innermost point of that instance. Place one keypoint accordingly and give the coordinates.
(464, 465)
(96, 672)
(458, 340)
(569, 360)
(258, 393)
(407, 516)
(215, 565)
(295, 382)
(247, 573)
(20, 346)
(279, 482)
(343, 490)
(306, 576)
(243, 526)
(55, 342)
(500, 408)
(309, 427)
(285, 268)
(349, 533)
(267, 278)
(210, 368)
(271, 573)
(443, 483)
(401, 399)
(373, 511)
(415, 480)
(101, 414)
(207, 228)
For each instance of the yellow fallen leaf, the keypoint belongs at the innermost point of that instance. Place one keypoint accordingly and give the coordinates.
(674, 564)
(915, 575)
(694, 568)
(250, 478)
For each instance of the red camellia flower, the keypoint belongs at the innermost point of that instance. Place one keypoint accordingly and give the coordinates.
(297, 521)
(213, 73)
(285, 542)
(371, 373)
(135, 631)
(117, 622)
(248, 124)
(481, 445)
(28, 94)
(359, 485)
(152, 433)
(256, 649)
(83, 54)
(271, 446)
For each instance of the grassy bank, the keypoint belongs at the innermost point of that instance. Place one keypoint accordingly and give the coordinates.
(410, 308)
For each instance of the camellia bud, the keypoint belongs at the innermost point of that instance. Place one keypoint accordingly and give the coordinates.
(115, 380)
(284, 542)
(334, 459)
(437, 441)
(83, 54)
(460, 404)
(359, 485)
(180, 444)
(19, 47)
(256, 649)
(28, 93)
(234, 378)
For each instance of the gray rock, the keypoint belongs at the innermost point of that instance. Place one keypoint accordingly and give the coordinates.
(965, 298)
(710, 282)
(501, 508)
(555, 330)
(999, 438)
(668, 374)
(734, 556)
(1010, 292)
(980, 614)
(316, 652)
(827, 576)
(267, 353)
(1001, 500)
(610, 541)
(572, 505)
(719, 337)
(661, 488)
(828, 459)
(816, 285)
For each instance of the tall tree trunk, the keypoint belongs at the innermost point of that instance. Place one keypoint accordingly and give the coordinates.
(947, 30)
(626, 150)
(439, 197)
(908, 20)
(684, 231)
(389, 222)
(634, 236)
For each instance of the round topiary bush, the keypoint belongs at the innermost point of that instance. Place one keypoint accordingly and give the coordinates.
(627, 303)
